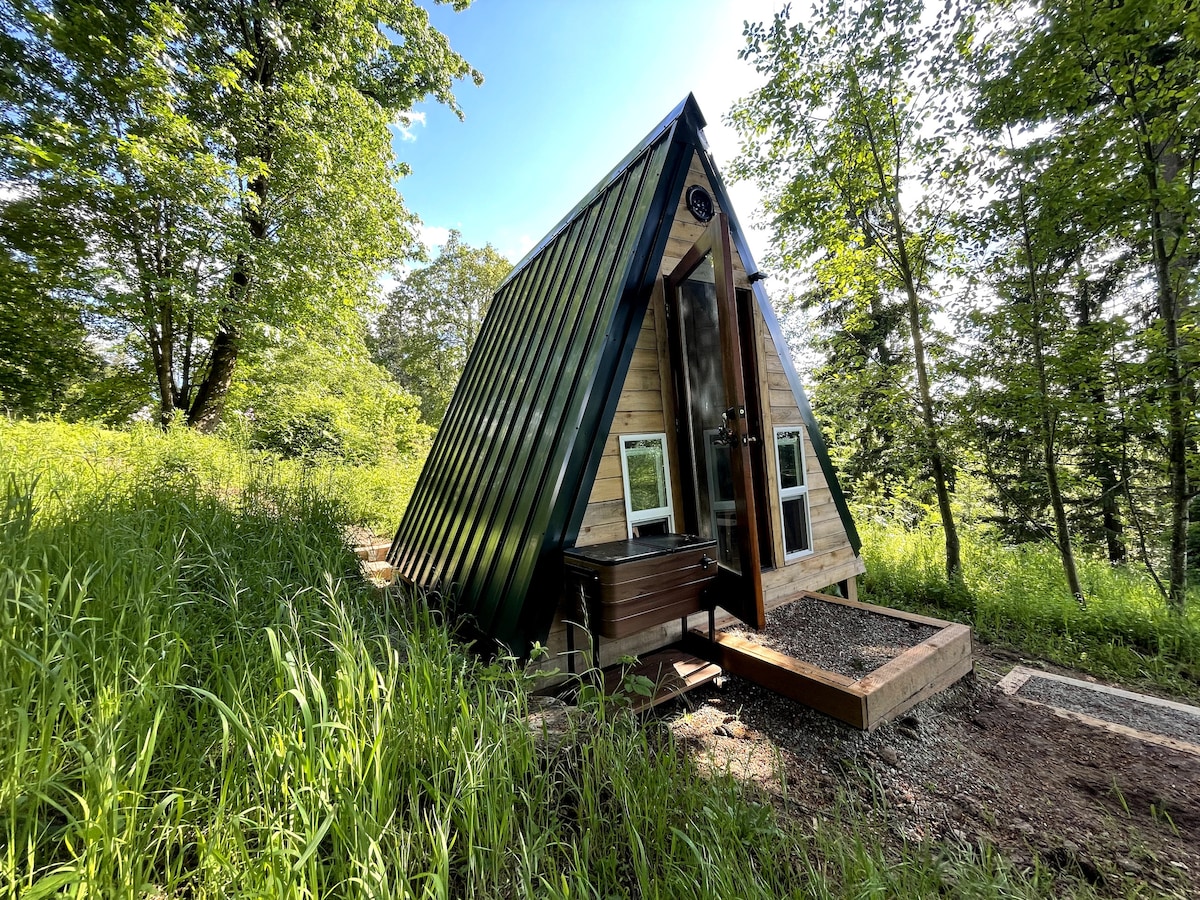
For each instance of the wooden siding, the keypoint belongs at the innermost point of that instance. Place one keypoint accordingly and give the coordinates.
(646, 397)
(641, 409)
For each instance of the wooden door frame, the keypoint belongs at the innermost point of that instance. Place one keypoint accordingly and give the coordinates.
(716, 241)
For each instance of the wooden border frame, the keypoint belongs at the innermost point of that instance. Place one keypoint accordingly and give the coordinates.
(882, 694)
(1012, 683)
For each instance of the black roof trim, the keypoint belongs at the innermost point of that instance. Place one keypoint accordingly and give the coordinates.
(688, 104)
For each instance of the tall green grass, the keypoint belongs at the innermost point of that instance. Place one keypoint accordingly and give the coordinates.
(75, 459)
(200, 697)
(1018, 595)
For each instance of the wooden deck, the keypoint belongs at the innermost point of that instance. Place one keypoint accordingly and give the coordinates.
(919, 672)
(671, 671)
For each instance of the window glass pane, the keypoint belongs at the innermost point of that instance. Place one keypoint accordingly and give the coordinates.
(647, 475)
(795, 526)
(722, 474)
(652, 527)
(791, 459)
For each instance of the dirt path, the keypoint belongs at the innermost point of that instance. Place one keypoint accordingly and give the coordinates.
(971, 766)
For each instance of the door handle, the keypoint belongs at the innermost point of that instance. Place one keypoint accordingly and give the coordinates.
(725, 434)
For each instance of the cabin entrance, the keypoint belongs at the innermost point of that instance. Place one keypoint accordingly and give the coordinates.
(715, 427)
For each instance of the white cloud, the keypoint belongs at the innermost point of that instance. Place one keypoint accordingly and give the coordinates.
(406, 122)
(389, 280)
(432, 236)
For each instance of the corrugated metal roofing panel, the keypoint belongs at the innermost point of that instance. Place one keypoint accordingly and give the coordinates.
(497, 492)
(506, 483)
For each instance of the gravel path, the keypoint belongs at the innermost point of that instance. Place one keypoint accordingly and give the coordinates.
(1148, 717)
(837, 638)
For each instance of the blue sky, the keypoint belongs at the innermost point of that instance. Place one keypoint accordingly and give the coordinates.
(570, 86)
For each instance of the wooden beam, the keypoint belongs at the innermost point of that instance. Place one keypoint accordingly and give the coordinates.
(672, 672)
(827, 692)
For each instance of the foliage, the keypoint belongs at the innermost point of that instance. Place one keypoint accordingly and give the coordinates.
(308, 399)
(207, 701)
(43, 346)
(1018, 595)
(1099, 105)
(432, 318)
(1025, 175)
(839, 140)
(221, 169)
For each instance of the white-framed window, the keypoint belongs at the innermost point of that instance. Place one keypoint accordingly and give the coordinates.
(793, 491)
(647, 476)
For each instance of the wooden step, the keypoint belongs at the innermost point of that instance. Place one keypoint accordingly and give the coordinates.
(671, 671)
(373, 551)
(379, 571)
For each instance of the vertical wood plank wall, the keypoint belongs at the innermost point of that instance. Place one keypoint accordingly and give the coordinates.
(646, 398)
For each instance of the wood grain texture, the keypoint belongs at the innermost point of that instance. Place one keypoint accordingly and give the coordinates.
(824, 691)
(647, 397)
(672, 672)
(916, 673)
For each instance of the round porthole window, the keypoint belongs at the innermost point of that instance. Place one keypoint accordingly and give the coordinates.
(700, 203)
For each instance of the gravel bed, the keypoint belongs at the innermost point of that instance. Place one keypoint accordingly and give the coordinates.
(1148, 717)
(842, 639)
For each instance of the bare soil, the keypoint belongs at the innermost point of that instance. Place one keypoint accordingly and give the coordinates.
(1150, 717)
(969, 767)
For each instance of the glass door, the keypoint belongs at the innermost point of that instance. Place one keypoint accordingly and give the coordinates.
(710, 398)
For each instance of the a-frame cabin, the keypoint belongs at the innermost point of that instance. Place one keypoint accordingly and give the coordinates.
(630, 381)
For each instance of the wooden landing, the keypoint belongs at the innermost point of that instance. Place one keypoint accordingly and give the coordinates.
(671, 670)
(919, 672)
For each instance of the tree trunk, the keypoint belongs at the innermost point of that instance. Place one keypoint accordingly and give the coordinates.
(891, 192)
(162, 371)
(1098, 461)
(1061, 529)
(206, 409)
(1114, 526)
(1166, 226)
(936, 460)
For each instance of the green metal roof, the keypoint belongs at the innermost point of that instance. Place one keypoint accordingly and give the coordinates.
(507, 480)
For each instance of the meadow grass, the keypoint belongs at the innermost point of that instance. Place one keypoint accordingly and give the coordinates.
(1018, 595)
(200, 697)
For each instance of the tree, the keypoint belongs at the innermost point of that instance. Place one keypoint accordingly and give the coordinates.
(43, 338)
(862, 396)
(836, 140)
(1033, 242)
(1118, 87)
(226, 164)
(323, 398)
(432, 318)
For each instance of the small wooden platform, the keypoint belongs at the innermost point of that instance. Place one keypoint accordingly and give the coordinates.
(671, 670)
(919, 672)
